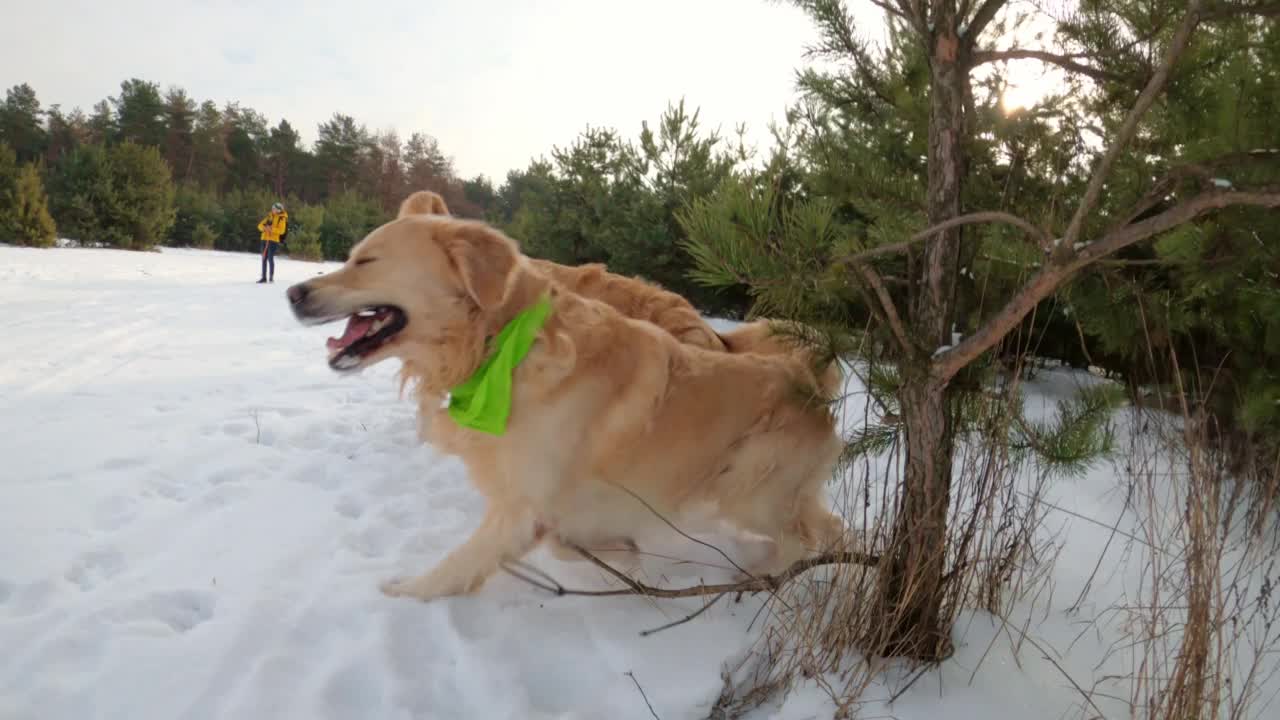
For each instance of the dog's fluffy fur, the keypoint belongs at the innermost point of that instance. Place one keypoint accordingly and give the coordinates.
(641, 300)
(632, 297)
(606, 408)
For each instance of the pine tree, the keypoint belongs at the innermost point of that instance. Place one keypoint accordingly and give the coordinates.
(246, 138)
(283, 156)
(65, 133)
(304, 235)
(20, 124)
(204, 236)
(81, 194)
(29, 220)
(339, 145)
(101, 125)
(24, 211)
(209, 151)
(426, 165)
(139, 113)
(179, 144)
(919, 181)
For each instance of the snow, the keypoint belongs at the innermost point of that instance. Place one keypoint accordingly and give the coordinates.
(195, 514)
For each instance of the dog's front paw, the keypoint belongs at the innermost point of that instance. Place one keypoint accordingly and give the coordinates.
(411, 588)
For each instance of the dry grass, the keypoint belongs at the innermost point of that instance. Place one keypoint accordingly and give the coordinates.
(1203, 630)
(821, 628)
(1199, 640)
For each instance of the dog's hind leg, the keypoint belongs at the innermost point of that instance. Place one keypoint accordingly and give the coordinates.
(813, 529)
(504, 534)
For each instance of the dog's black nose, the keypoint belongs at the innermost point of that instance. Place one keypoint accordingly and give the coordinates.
(297, 293)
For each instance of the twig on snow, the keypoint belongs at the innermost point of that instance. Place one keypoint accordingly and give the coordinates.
(652, 712)
(705, 607)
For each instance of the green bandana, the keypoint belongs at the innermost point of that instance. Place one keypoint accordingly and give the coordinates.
(483, 402)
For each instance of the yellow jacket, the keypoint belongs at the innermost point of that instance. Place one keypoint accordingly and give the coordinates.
(273, 226)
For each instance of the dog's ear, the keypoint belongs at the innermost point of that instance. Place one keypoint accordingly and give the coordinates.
(485, 259)
(423, 202)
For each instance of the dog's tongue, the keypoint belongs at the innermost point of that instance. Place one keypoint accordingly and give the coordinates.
(356, 328)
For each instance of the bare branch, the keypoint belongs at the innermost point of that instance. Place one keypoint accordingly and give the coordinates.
(1042, 238)
(1184, 212)
(765, 583)
(1048, 280)
(687, 618)
(1154, 86)
(1204, 170)
(894, 319)
(986, 13)
(1066, 62)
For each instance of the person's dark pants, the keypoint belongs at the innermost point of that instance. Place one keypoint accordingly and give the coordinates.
(269, 259)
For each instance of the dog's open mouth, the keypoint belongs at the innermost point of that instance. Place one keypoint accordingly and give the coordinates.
(366, 331)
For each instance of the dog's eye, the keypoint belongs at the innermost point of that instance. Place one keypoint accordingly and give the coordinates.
(364, 261)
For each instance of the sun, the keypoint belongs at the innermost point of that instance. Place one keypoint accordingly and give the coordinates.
(1017, 96)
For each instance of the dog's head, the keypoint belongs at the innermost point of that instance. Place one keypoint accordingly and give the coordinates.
(421, 286)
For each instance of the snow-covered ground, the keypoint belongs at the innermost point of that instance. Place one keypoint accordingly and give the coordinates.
(195, 514)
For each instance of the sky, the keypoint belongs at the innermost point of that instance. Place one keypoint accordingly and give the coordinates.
(497, 82)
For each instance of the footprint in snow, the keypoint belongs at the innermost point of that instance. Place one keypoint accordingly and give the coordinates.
(356, 690)
(238, 429)
(166, 487)
(349, 506)
(96, 566)
(372, 542)
(179, 610)
(115, 512)
(27, 600)
(222, 496)
(121, 463)
(316, 474)
(233, 474)
(400, 516)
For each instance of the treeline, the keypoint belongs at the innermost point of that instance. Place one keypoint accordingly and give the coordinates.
(147, 167)
(150, 167)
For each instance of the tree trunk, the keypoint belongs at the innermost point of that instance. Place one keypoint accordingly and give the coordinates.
(911, 589)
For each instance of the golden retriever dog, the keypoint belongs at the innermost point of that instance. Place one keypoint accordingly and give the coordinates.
(605, 409)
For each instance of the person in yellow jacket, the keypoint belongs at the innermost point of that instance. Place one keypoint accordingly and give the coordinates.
(274, 227)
